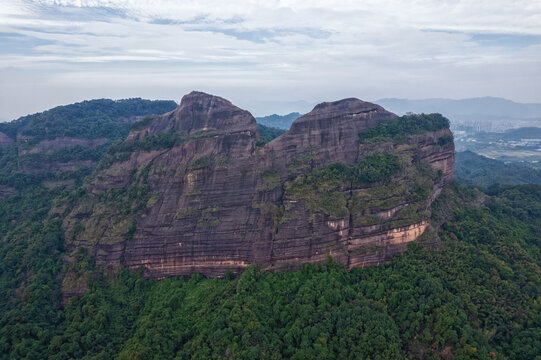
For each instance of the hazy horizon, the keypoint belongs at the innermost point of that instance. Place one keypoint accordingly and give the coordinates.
(300, 106)
(267, 57)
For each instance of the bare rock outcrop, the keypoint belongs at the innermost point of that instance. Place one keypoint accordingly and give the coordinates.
(61, 143)
(211, 200)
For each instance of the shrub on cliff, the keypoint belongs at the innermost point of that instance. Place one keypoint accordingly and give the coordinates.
(377, 167)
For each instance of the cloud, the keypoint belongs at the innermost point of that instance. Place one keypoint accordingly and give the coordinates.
(268, 51)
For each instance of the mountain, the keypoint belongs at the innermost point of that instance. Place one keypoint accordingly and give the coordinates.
(194, 190)
(483, 106)
(467, 288)
(488, 113)
(278, 121)
(521, 133)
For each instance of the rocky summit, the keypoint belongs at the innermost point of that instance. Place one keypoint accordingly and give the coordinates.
(196, 190)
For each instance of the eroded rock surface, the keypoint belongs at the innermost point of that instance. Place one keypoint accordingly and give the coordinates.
(215, 201)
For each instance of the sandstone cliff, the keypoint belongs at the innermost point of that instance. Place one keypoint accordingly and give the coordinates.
(193, 190)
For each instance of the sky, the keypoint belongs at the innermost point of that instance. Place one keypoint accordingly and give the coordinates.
(272, 56)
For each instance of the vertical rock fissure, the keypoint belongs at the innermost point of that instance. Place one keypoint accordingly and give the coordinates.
(350, 223)
(98, 243)
(275, 232)
(349, 205)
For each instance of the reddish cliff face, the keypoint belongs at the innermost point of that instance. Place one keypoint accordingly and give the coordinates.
(215, 201)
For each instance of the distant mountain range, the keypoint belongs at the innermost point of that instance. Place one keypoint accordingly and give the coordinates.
(279, 121)
(485, 106)
(486, 113)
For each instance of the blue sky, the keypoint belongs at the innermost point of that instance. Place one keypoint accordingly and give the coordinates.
(266, 56)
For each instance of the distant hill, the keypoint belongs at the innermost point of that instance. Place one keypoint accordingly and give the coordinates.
(500, 113)
(278, 121)
(486, 138)
(474, 169)
(71, 137)
(485, 106)
(523, 133)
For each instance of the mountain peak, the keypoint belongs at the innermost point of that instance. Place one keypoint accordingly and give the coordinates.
(344, 105)
(199, 97)
(199, 111)
(346, 111)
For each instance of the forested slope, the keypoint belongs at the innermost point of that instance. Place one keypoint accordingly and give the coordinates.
(474, 169)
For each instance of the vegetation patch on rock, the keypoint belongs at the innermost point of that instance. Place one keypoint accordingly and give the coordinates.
(397, 130)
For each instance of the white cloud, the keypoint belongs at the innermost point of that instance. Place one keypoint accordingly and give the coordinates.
(267, 50)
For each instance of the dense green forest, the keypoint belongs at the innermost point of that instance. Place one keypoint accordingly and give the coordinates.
(267, 133)
(92, 119)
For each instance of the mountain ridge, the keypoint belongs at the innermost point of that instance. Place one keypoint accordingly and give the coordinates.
(279, 121)
(468, 291)
(217, 200)
(483, 107)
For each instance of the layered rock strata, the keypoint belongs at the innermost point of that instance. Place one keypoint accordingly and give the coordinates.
(61, 143)
(194, 191)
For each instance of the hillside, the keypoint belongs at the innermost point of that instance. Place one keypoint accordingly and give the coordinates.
(483, 107)
(92, 119)
(72, 137)
(473, 169)
(267, 134)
